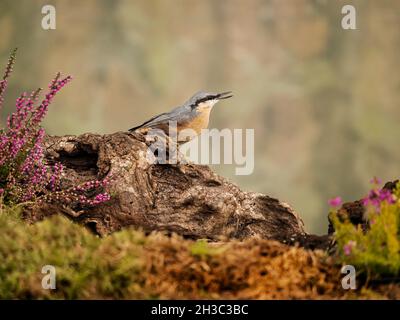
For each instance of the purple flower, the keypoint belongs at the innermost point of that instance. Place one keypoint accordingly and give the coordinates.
(376, 196)
(28, 177)
(348, 247)
(386, 195)
(376, 181)
(335, 202)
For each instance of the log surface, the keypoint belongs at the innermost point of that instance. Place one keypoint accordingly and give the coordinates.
(187, 199)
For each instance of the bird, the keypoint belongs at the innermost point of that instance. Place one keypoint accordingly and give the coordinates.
(194, 114)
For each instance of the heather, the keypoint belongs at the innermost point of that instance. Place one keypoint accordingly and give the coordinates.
(25, 177)
(375, 249)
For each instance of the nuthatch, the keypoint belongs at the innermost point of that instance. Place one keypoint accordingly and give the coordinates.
(194, 114)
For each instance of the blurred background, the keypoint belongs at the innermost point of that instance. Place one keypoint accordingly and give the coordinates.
(323, 101)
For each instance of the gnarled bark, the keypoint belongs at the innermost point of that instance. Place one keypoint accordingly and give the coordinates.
(188, 199)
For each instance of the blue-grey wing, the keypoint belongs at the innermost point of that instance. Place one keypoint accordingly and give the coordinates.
(162, 119)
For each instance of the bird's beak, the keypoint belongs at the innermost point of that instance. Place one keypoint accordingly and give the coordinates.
(224, 95)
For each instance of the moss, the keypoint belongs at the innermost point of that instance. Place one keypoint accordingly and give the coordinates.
(202, 248)
(131, 265)
(86, 265)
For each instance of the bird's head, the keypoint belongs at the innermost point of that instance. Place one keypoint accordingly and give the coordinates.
(205, 100)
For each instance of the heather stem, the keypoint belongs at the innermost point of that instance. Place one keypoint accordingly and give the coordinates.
(10, 64)
(7, 73)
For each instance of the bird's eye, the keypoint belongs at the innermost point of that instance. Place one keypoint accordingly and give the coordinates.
(202, 100)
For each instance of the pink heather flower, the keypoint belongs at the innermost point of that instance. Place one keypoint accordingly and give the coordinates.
(386, 195)
(100, 198)
(376, 196)
(376, 181)
(348, 247)
(55, 177)
(335, 202)
(28, 177)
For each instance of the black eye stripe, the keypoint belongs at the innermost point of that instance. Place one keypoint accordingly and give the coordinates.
(205, 99)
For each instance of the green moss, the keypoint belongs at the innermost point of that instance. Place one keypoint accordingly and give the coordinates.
(86, 266)
(202, 248)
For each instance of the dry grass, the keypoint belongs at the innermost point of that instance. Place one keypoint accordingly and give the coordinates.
(254, 269)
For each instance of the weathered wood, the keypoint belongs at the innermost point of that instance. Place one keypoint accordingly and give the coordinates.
(188, 199)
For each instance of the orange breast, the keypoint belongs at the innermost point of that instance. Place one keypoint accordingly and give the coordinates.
(200, 121)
